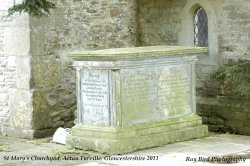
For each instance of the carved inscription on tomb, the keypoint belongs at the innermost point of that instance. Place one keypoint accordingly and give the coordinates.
(95, 97)
(174, 90)
(138, 96)
(155, 93)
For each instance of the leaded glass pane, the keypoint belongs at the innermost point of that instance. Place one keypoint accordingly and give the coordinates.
(200, 28)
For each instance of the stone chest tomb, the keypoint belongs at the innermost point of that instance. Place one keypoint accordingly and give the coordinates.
(135, 98)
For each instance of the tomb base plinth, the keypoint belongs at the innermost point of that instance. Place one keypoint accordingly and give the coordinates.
(123, 140)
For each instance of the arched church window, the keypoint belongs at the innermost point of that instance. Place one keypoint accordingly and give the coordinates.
(200, 28)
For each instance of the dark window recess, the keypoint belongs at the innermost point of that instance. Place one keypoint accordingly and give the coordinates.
(200, 28)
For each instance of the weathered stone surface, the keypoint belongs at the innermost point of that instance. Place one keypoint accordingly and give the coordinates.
(234, 124)
(39, 47)
(23, 72)
(137, 52)
(47, 73)
(41, 117)
(135, 98)
(225, 114)
(61, 103)
(17, 38)
(21, 109)
(156, 93)
(171, 22)
(115, 141)
(13, 39)
(95, 97)
(97, 24)
(216, 121)
(18, 132)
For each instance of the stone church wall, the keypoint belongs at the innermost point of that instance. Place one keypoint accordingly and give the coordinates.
(48, 95)
(37, 80)
(161, 23)
(13, 40)
(170, 22)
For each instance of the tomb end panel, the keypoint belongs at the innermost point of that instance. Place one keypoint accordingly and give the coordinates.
(95, 97)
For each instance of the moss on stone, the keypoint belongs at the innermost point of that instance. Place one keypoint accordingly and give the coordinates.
(119, 140)
(137, 52)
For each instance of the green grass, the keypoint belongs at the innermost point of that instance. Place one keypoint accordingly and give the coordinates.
(73, 152)
(4, 148)
(57, 153)
(37, 142)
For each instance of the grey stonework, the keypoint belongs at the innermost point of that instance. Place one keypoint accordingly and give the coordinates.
(170, 22)
(225, 115)
(160, 23)
(37, 80)
(10, 48)
(42, 97)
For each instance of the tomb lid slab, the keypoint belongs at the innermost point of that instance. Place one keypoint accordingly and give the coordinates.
(137, 53)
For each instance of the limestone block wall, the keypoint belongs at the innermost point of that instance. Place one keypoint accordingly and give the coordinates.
(45, 89)
(171, 22)
(37, 81)
(13, 47)
(73, 26)
(160, 21)
(225, 114)
(234, 29)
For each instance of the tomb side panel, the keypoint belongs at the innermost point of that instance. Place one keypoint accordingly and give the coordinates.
(139, 97)
(156, 93)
